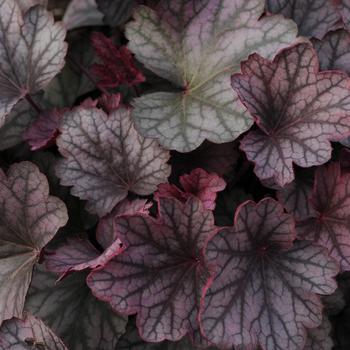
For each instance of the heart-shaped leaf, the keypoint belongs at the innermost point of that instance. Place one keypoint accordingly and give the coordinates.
(32, 51)
(29, 220)
(297, 109)
(264, 289)
(161, 273)
(197, 45)
(105, 158)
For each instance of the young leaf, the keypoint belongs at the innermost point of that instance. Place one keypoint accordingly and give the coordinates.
(32, 51)
(297, 109)
(83, 322)
(29, 333)
(319, 338)
(314, 17)
(264, 289)
(105, 158)
(197, 45)
(161, 273)
(330, 224)
(29, 220)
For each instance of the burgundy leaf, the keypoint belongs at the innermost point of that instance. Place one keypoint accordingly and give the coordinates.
(105, 157)
(29, 220)
(330, 225)
(118, 64)
(314, 17)
(29, 333)
(109, 102)
(199, 184)
(264, 289)
(43, 132)
(161, 273)
(297, 110)
(32, 51)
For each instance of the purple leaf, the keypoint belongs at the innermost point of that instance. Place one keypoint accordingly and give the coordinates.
(319, 338)
(314, 17)
(197, 45)
(344, 10)
(29, 333)
(32, 51)
(161, 273)
(330, 225)
(264, 289)
(29, 220)
(83, 322)
(297, 110)
(105, 157)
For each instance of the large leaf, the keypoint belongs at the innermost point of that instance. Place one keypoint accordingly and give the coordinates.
(83, 322)
(297, 109)
(264, 288)
(330, 224)
(32, 51)
(161, 273)
(105, 158)
(29, 220)
(314, 17)
(197, 45)
(29, 333)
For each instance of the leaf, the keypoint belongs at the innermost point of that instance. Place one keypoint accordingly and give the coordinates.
(343, 7)
(16, 122)
(25, 5)
(319, 338)
(29, 220)
(330, 224)
(117, 67)
(105, 157)
(264, 289)
(29, 333)
(81, 13)
(161, 273)
(296, 118)
(198, 184)
(83, 322)
(32, 51)
(116, 12)
(197, 45)
(314, 17)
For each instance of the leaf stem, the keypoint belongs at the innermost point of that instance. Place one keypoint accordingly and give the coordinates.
(33, 103)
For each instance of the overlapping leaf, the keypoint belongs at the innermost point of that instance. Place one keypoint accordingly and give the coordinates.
(29, 220)
(197, 45)
(314, 17)
(83, 322)
(32, 51)
(319, 338)
(344, 10)
(161, 273)
(330, 224)
(264, 288)
(29, 333)
(105, 158)
(297, 109)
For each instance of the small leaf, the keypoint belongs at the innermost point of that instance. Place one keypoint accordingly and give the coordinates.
(197, 45)
(298, 110)
(330, 224)
(29, 333)
(264, 289)
(29, 220)
(161, 273)
(105, 158)
(32, 51)
(319, 338)
(314, 17)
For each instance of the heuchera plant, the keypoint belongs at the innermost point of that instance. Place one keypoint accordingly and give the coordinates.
(174, 174)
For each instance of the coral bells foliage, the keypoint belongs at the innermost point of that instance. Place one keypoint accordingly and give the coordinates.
(174, 174)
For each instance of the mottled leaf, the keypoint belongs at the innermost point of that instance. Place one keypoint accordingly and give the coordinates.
(105, 158)
(319, 338)
(29, 333)
(32, 51)
(297, 110)
(83, 322)
(161, 273)
(264, 289)
(29, 220)
(330, 224)
(197, 45)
